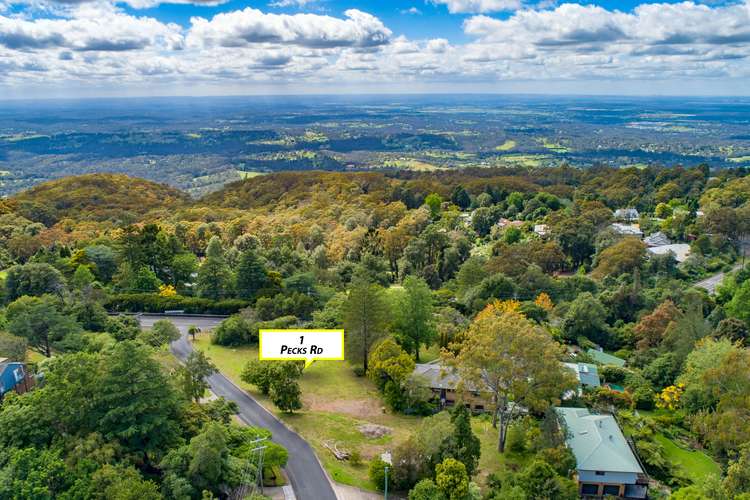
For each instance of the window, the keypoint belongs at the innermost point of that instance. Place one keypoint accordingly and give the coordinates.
(600, 473)
(589, 489)
(612, 489)
(479, 407)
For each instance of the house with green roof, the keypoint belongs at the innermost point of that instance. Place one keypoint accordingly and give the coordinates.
(603, 358)
(606, 465)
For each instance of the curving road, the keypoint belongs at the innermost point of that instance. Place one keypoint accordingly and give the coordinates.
(303, 469)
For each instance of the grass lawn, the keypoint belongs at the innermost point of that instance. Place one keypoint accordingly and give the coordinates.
(506, 146)
(694, 463)
(336, 402)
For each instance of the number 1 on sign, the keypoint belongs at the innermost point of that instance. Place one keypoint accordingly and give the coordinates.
(302, 339)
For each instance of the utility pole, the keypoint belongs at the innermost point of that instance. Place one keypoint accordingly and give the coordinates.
(386, 457)
(385, 495)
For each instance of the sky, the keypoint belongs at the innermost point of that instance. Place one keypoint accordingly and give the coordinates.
(99, 48)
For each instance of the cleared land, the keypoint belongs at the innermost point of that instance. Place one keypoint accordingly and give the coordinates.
(336, 403)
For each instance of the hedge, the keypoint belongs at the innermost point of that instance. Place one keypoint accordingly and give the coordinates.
(155, 303)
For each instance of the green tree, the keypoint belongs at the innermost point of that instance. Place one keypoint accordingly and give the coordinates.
(277, 379)
(376, 471)
(737, 480)
(182, 268)
(193, 331)
(540, 481)
(122, 483)
(83, 277)
(33, 474)
(462, 444)
(414, 315)
(460, 197)
(434, 202)
(193, 374)
(514, 363)
(208, 458)
(135, 403)
(12, 347)
(123, 327)
(426, 489)
(214, 277)
(586, 318)
(40, 321)
(285, 394)
(366, 314)
(161, 333)
(389, 362)
(104, 260)
(739, 306)
(233, 331)
(33, 279)
(250, 275)
(452, 479)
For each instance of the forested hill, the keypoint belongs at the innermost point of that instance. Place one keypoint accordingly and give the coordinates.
(96, 197)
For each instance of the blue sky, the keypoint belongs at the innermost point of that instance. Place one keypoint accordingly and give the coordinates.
(193, 47)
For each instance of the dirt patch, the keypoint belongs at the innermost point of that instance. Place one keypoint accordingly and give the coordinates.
(359, 408)
(374, 431)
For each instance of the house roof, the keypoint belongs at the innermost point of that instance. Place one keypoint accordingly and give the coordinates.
(681, 251)
(627, 229)
(586, 373)
(437, 376)
(604, 358)
(597, 442)
(627, 213)
(657, 239)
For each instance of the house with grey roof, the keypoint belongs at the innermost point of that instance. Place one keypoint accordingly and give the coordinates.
(606, 465)
(627, 229)
(681, 251)
(657, 239)
(443, 381)
(587, 375)
(627, 214)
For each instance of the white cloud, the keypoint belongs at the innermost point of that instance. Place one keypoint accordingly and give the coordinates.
(250, 26)
(478, 6)
(291, 3)
(411, 10)
(95, 28)
(98, 45)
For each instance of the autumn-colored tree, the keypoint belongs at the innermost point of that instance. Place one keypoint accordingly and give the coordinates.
(513, 362)
(544, 301)
(624, 256)
(650, 329)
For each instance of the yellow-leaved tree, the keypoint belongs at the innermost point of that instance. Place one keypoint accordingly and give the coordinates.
(512, 362)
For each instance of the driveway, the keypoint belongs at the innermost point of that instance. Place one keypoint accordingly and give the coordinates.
(303, 469)
(712, 282)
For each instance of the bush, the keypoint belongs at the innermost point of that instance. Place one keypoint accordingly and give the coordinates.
(376, 472)
(155, 303)
(234, 331)
(516, 439)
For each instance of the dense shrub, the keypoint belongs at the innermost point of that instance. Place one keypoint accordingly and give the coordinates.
(155, 303)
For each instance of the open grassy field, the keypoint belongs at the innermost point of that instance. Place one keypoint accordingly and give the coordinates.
(506, 146)
(694, 463)
(336, 402)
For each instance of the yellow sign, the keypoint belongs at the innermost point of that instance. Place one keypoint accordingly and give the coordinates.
(309, 345)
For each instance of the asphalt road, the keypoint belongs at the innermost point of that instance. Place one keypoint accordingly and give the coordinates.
(712, 282)
(303, 469)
